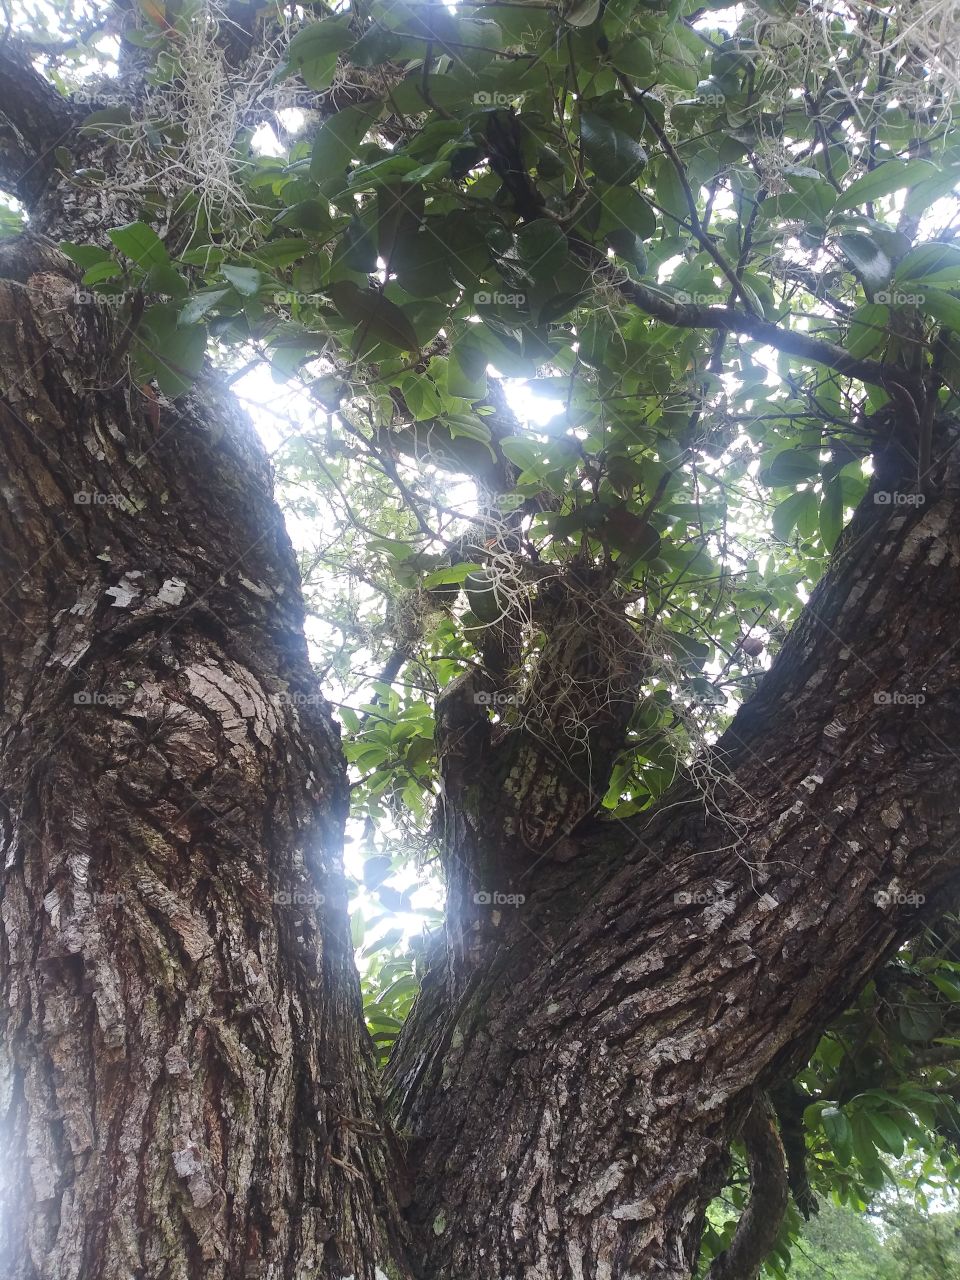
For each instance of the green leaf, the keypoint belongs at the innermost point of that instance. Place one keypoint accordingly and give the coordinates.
(357, 928)
(350, 719)
(140, 244)
(918, 1021)
(614, 155)
(170, 353)
(891, 176)
(869, 329)
(313, 50)
(421, 21)
(459, 424)
(628, 245)
(946, 986)
(106, 269)
(422, 263)
(399, 211)
(199, 305)
(888, 1136)
(86, 255)
(336, 144)
(467, 368)
(624, 209)
(441, 577)
(944, 307)
(165, 279)
(921, 197)
(484, 601)
(937, 262)
(421, 396)
(542, 247)
(245, 280)
(581, 13)
(107, 120)
(872, 262)
(791, 511)
(374, 315)
(636, 57)
(789, 467)
(839, 1133)
(691, 652)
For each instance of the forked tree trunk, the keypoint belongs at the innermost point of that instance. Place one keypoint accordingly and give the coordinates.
(571, 1106)
(185, 1084)
(185, 1087)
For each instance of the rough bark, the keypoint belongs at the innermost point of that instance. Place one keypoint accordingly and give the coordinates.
(570, 1111)
(185, 1085)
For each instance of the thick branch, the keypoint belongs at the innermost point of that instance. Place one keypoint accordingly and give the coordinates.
(190, 1083)
(760, 1221)
(14, 161)
(789, 1102)
(655, 977)
(36, 114)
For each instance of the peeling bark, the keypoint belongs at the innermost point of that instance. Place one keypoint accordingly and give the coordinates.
(186, 1082)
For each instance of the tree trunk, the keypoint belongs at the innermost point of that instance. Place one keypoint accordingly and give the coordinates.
(571, 1096)
(186, 1082)
(186, 1088)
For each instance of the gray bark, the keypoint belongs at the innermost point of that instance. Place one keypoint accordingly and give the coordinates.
(186, 1082)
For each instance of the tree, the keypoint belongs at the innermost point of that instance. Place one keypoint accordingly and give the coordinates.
(924, 1246)
(695, 816)
(841, 1245)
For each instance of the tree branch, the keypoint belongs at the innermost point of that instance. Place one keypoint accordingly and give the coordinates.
(14, 162)
(35, 115)
(703, 238)
(760, 1221)
(789, 1102)
(687, 315)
